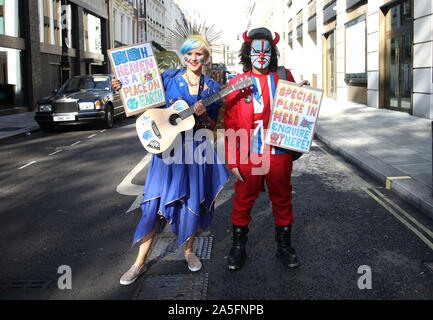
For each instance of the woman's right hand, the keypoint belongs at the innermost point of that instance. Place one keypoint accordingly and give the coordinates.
(116, 85)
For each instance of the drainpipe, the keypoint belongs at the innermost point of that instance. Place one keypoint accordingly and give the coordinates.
(65, 63)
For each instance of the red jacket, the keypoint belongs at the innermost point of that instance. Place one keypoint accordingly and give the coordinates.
(240, 115)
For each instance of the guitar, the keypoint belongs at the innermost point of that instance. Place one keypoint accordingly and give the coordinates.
(158, 128)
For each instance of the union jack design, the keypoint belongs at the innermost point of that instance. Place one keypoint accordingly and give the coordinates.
(306, 124)
(263, 98)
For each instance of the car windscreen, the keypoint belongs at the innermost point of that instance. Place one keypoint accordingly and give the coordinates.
(87, 83)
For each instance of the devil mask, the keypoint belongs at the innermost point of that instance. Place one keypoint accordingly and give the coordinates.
(261, 53)
(261, 46)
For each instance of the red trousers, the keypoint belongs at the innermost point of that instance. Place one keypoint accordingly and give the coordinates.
(279, 190)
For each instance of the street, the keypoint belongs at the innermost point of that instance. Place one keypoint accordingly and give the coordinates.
(69, 198)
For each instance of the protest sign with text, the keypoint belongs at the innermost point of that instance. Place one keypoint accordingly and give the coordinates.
(137, 69)
(294, 116)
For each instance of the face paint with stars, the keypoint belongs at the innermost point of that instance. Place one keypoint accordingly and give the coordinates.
(260, 54)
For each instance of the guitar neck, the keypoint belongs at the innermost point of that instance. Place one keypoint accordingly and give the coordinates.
(209, 100)
(219, 95)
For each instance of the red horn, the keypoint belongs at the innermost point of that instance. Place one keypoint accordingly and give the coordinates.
(277, 39)
(246, 39)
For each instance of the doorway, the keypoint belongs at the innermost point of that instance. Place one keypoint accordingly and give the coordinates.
(398, 57)
(329, 65)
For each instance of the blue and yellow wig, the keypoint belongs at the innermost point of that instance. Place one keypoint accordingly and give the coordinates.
(194, 42)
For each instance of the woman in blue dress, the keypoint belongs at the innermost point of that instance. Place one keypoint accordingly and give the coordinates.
(182, 193)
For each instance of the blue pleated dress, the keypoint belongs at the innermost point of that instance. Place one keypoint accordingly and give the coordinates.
(183, 194)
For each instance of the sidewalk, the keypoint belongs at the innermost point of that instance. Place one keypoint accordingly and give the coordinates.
(389, 145)
(386, 144)
(15, 124)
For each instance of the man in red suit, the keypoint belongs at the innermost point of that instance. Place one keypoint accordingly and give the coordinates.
(251, 160)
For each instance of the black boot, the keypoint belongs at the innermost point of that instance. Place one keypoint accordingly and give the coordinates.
(238, 254)
(285, 252)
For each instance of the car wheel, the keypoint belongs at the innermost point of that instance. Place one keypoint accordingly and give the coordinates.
(109, 117)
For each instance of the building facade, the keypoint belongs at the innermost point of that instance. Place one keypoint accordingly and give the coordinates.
(13, 54)
(375, 52)
(73, 39)
(141, 18)
(123, 23)
(43, 42)
(174, 16)
(156, 21)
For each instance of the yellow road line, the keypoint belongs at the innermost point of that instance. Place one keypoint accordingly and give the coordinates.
(390, 210)
(397, 216)
(418, 224)
(388, 180)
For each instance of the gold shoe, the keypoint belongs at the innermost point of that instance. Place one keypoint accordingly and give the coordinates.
(132, 274)
(194, 263)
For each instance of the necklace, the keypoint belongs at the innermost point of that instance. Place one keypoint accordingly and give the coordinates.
(189, 81)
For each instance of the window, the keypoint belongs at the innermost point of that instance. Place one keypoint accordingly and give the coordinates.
(11, 78)
(52, 20)
(312, 19)
(9, 18)
(116, 25)
(57, 22)
(356, 50)
(47, 32)
(299, 27)
(92, 33)
(290, 33)
(399, 16)
(329, 10)
(311, 9)
(2, 17)
(352, 4)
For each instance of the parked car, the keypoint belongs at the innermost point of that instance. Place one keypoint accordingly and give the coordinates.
(82, 99)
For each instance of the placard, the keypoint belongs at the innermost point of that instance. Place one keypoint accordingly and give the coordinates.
(293, 119)
(137, 69)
